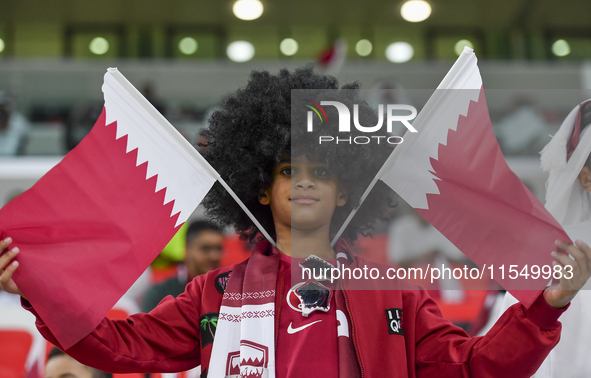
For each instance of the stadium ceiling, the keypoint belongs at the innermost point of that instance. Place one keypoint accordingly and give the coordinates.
(493, 14)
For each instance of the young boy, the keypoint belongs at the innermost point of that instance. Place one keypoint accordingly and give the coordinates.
(267, 327)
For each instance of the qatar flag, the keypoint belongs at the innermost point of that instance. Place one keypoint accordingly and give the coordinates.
(453, 173)
(456, 177)
(332, 58)
(90, 227)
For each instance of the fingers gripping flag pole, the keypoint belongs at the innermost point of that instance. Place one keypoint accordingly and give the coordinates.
(90, 227)
(453, 173)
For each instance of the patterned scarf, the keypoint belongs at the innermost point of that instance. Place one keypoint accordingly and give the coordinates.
(244, 344)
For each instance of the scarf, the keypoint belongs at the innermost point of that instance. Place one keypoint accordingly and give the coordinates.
(244, 344)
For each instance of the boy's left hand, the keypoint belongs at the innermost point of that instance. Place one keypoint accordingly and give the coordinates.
(559, 295)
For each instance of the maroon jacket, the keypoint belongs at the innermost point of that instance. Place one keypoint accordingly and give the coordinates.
(168, 339)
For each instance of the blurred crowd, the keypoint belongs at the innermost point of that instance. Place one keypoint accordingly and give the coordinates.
(522, 128)
(49, 130)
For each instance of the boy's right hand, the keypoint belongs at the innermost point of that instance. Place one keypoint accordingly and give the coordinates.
(7, 268)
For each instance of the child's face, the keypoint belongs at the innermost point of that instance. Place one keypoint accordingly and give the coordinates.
(303, 195)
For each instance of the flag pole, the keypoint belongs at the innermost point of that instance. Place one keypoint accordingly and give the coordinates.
(373, 182)
(243, 206)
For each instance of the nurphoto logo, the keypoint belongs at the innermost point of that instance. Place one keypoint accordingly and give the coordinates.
(392, 114)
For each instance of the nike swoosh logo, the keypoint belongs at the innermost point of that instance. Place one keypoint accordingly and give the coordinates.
(291, 331)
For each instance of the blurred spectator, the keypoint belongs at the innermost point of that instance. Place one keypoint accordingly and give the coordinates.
(13, 126)
(567, 158)
(202, 253)
(523, 131)
(60, 365)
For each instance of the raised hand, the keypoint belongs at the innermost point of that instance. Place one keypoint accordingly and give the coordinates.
(7, 267)
(575, 273)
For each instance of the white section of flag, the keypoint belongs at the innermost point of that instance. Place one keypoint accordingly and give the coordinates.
(441, 113)
(438, 116)
(185, 174)
(180, 169)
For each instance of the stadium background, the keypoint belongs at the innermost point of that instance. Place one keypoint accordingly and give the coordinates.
(53, 55)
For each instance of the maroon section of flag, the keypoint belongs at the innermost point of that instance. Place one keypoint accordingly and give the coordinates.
(486, 211)
(327, 56)
(86, 231)
(333, 57)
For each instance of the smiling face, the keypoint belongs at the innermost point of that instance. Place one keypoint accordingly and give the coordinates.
(303, 195)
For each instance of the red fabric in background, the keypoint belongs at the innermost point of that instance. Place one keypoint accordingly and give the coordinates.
(485, 209)
(235, 250)
(14, 348)
(86, 231)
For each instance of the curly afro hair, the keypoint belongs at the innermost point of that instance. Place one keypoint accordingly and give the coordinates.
(252, 132)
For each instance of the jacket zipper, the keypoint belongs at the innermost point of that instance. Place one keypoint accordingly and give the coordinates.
(278, 308)
(352, 329)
